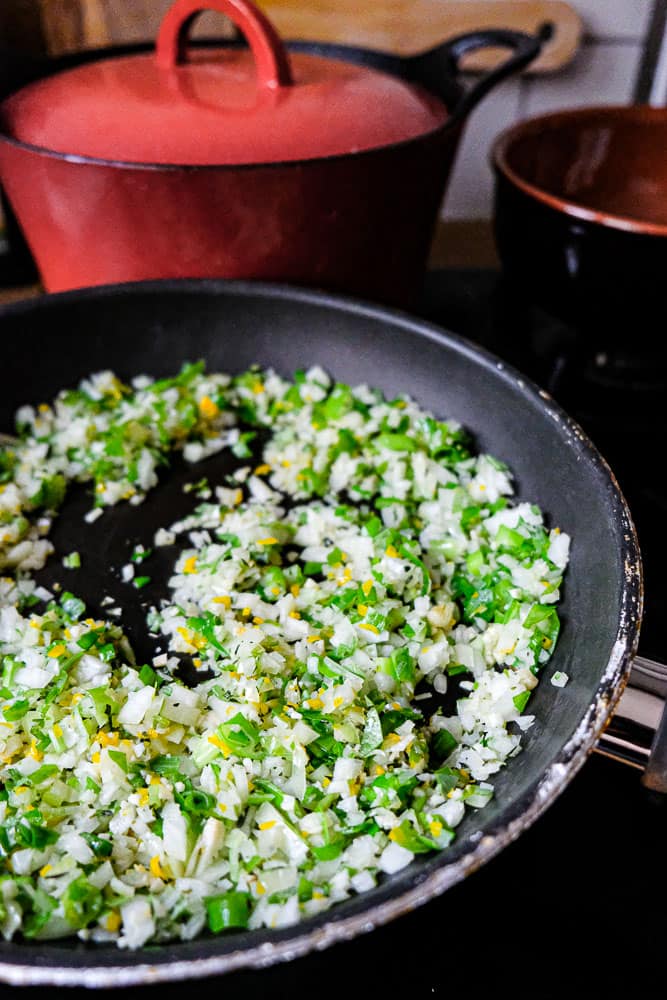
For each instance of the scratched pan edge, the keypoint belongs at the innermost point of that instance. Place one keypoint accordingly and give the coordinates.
(56, 339)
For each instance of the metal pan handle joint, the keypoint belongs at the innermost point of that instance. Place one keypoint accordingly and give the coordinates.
(637, 732)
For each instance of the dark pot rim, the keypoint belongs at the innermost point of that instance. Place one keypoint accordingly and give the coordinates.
(351, 156)
(502, 148)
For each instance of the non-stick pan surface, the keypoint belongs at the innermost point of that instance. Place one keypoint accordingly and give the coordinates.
(152, 328)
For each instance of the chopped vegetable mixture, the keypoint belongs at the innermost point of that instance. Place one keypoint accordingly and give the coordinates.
(360, 560)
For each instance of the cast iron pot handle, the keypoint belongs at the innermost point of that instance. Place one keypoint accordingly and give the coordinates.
(431, 68)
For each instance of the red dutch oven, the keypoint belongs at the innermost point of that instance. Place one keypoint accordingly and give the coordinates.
(315, 164)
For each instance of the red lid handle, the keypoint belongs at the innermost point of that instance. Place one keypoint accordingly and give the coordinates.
(271, 59)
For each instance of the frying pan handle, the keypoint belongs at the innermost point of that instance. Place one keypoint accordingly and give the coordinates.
(637, 733)
(655, 775)
(445, 60)
(271, 59)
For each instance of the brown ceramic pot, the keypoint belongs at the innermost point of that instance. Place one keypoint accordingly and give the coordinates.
(581, 217)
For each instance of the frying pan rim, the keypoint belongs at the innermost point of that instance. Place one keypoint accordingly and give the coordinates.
(511, 821)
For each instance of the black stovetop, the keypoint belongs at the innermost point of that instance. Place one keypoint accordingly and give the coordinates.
(574, 906)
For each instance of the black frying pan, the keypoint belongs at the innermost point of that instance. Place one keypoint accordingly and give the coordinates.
(152, 328)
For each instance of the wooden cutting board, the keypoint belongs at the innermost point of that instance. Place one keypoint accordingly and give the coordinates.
(409, 26)
(400, 26)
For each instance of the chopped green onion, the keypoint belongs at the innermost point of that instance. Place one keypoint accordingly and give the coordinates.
(227, 911)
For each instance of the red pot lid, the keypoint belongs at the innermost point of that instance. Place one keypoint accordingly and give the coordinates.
(221, 106)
